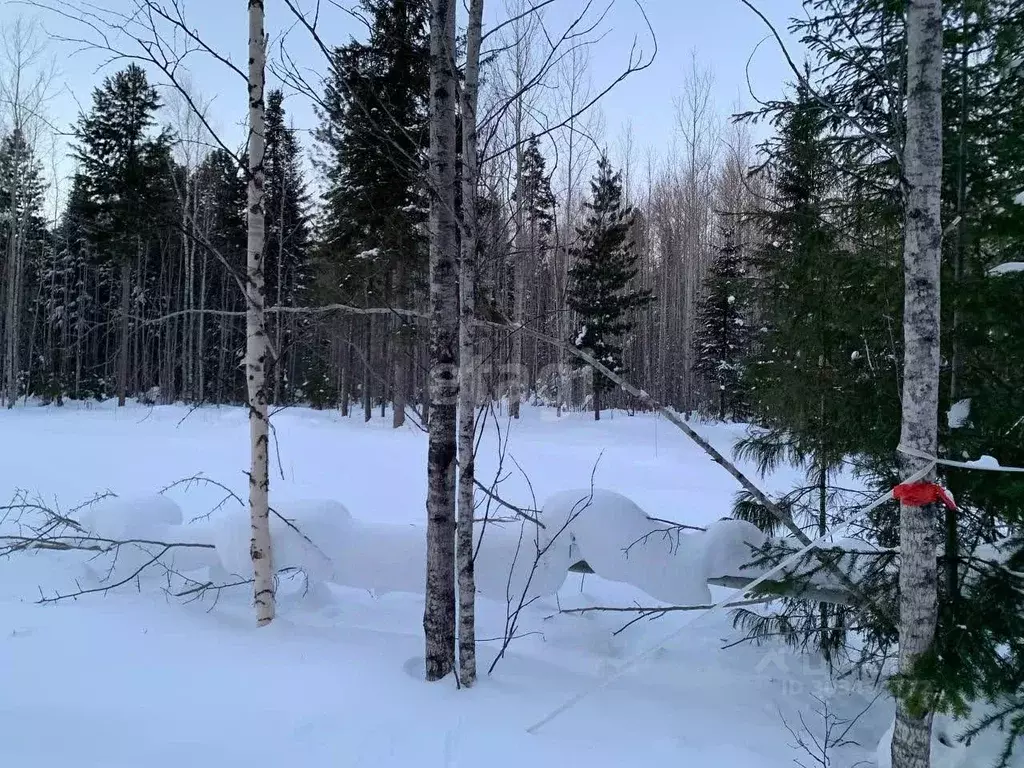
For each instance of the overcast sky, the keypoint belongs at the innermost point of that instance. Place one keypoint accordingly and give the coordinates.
(723, 35)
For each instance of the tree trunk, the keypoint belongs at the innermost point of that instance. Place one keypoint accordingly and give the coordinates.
(467, 352)
(439, 608)
(367, 372)
(597, 399)
(515, 392)
(348, 362)
(918, 578)
(256, 329)
(399, 355)
(122, 351)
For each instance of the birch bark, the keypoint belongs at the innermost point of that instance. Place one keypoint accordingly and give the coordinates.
(467, 351)
(922, 159)
(439, 606)
(256, 328)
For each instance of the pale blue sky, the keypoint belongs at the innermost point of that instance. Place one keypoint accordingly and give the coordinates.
(721, 33)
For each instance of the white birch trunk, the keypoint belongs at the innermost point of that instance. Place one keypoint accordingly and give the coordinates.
(911, 742)
(467, 352)
(256, 329)
(439, 606)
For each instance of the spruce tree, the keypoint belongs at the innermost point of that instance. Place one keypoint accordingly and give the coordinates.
(287, 262)
(812, 397)
(23, 245)
(858, 48)
(723, 330)
(372, 141)
(221, 210)
(533, 256)
(601, 290)
(124, 165)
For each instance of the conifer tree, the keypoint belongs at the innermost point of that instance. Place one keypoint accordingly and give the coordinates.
(372, 140)
(287, 267)
(23, 244)
(124, 166)
(605, 263)
(723, 332)
(859, 47)
(221, 212)
(808, 393)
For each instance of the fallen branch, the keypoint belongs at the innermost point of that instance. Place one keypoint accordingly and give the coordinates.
(665, 608)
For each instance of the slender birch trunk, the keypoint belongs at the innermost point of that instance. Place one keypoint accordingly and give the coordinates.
(467, 351)
(439, 607)
(256, 329)
(911, 744)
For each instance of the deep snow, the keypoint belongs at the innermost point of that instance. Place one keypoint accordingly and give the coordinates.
(136, 676)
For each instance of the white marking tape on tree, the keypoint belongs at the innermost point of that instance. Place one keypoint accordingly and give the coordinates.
(962, 464)
(671, 636)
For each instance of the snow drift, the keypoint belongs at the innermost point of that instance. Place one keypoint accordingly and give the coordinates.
(516, 562)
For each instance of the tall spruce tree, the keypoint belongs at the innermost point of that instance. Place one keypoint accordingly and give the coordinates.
(810, 397)
(531, 257)
(601, 278)
(220, 209)
(723, 328)
(287, 267)
(372, 139)
(23, 245)
(124, 166)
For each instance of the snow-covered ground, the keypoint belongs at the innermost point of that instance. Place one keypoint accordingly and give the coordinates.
(136, 676)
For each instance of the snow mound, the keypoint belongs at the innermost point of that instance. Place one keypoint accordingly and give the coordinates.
(143, 517)
(621, 543)
(303, 532)
(516, 563)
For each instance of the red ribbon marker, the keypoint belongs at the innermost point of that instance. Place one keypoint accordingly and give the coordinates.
(920, 494)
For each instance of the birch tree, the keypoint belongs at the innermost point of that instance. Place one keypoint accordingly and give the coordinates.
(439, 607)
(256, 329)
(922, 251)
(467, 350)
